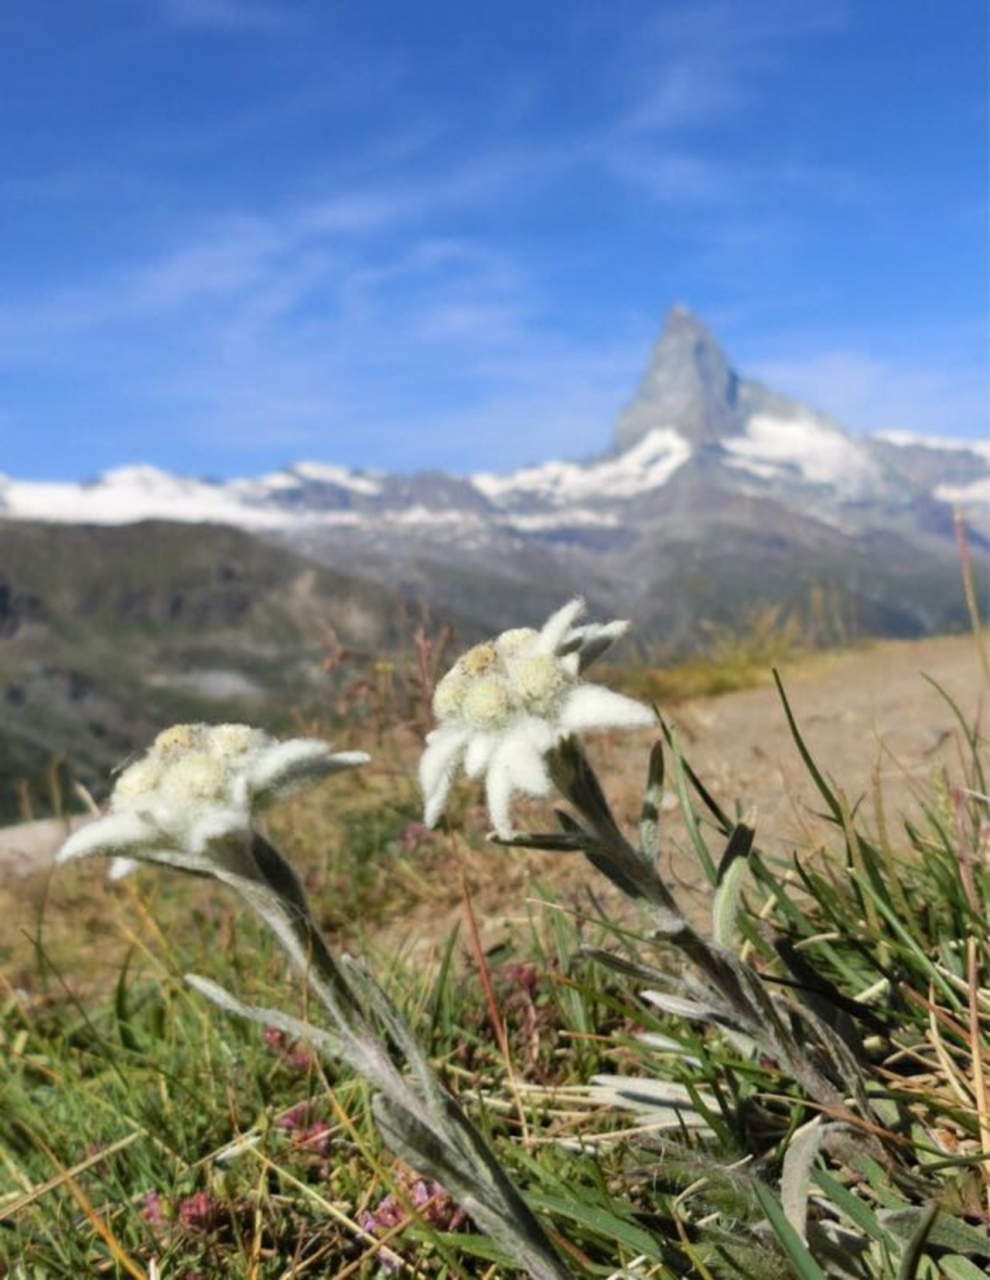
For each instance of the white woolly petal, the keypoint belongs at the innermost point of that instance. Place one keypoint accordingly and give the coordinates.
(435, 801)
(347, 760)
(571, 663)
(265, 770)
(479, 753)
(533, 733)
(498, 794)
(300, 762)
(240, 792)
(598, 639)
(117, 833)
(556, 627)
(592, 706)
(437, 767)
(517, 765)
(610, 631)
(121, 867)
(444, 748)
(529, 772)
(211, 832)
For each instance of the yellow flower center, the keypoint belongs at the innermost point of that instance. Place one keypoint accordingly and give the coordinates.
(449, 694)
(180, 737)
(538, 681)
(197, 776)
(234, 739)
(510, 642)
(486, 703)
(503, 678)
(477, 661)
(137, 780)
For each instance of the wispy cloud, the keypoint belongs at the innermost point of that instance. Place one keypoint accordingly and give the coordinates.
(867, 393)
(700, 64)
(327, 326)
(430, 274)
(689, 80)
(228, 15)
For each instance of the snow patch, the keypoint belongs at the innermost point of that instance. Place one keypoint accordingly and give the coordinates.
(130, 494)
(939, 444)
(343, 477)
(774, 447)
(420, 515)
(572, 518)
(649, 464)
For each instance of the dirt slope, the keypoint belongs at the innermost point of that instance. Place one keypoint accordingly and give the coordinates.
(867, 715)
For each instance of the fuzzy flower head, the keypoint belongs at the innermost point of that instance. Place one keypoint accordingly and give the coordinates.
(191, 799)
(506, 703)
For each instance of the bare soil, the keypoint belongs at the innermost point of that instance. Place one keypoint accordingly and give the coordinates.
(873, 718)
(878, 724)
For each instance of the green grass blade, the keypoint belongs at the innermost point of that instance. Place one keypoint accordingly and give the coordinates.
(797, 1252)
(828, 795)
(856, 1210)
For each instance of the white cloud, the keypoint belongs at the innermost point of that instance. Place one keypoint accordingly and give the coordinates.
(351, 328)
(866, 393)
(230, 15)
(676, 178)
(230, 265)
(692, 74)
(689, 91)
(702, 63)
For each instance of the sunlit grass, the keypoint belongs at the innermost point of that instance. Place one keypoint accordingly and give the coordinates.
(734, 656)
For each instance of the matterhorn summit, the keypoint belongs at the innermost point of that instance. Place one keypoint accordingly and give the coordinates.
(690, 387)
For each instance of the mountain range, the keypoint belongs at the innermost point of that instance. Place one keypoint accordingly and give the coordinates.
(691, 408)
(716, 497)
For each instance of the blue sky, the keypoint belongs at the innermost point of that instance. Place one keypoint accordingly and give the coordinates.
(240, 233)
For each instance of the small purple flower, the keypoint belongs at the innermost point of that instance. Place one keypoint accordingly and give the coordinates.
(435, 1205)
(431, 1203)
(296, 1117)
(296, 1055)
(523, 975)
(200, 1212)
(412, 835)
(274, 1039)
(300, 1058)
(152, 1211)
(315, 1138)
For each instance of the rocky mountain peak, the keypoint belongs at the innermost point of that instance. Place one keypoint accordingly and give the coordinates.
(688, 386)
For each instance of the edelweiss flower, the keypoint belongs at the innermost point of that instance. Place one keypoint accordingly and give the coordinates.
(189, 802)
(506, 703)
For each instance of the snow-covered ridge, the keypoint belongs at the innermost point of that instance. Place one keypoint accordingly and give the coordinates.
(971, 496)
(283, 499)
(325, 473)
(787, 454)
(976, 493)
(570, 518)
(774, 448)
(126, 495)
(938, 444)
(647, 465)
